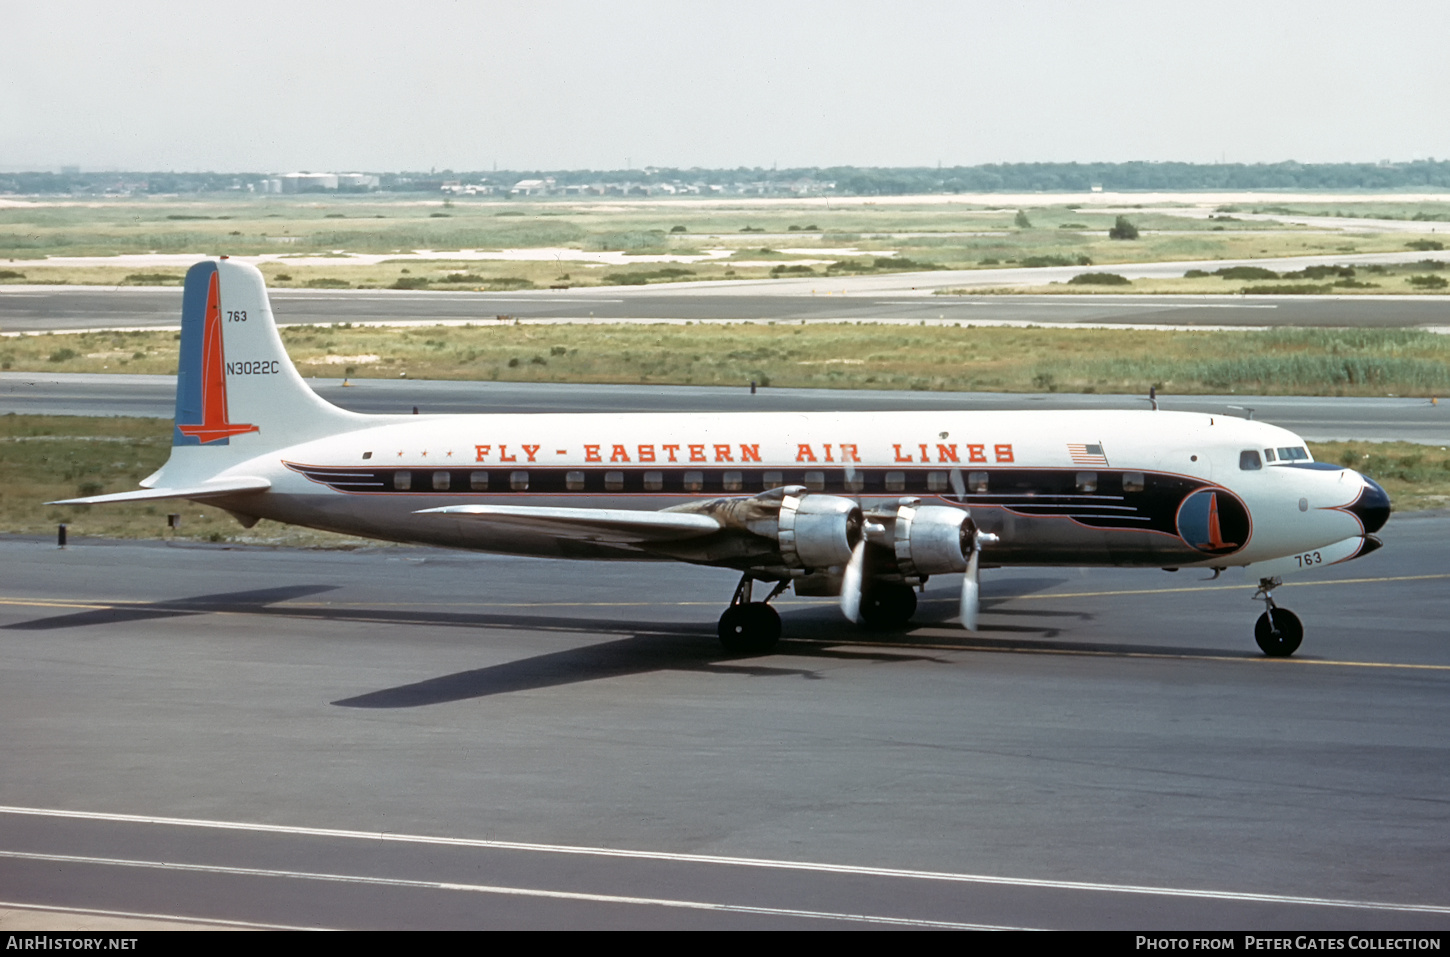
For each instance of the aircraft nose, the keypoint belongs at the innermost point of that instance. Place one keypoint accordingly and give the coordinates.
(1372, 508)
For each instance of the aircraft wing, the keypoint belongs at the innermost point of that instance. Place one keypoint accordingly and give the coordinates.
(615, 525)
(195, 493)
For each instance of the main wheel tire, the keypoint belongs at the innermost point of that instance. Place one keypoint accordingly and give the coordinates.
(888, 605)
(751, 628)
(1278, 632)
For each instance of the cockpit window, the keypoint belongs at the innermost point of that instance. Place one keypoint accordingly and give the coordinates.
(1249, 460)
(1268, 455)
(1299, 454)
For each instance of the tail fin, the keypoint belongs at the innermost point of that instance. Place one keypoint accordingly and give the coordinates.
(237, 393)
(235, 385)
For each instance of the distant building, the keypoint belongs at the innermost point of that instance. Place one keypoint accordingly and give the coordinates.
(319, 183)
(357, 182)
(308, 182)
(533, 187)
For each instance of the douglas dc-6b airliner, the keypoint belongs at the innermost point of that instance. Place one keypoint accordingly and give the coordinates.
(864, 506)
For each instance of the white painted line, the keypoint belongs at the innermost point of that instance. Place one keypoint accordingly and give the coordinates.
(1082, 303)
(141, 915)
(481, 297)
(505, 891)
(892, 872)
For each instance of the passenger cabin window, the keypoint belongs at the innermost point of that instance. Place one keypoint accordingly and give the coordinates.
(614, 481)
(1249, 460)
(478, 481)
(1133, 481)
(855, 481)
(574, 481)
(936, 481)
(1087, 481)
(519, 481)
(816, 481)
(734, 481)
(895, 481)
(654, 481)
(402, 481)
(977, 483)
(694, 481)
(441, 481)
(773, 480)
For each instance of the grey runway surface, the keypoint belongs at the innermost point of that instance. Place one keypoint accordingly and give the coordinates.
(53, 309)
(410, 738)
(1316, 419)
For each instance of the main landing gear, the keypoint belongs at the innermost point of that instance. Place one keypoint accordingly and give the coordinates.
(750, 627)
(1278, 630)
(887, 605)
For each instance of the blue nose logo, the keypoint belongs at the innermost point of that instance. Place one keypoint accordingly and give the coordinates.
(1213, 521)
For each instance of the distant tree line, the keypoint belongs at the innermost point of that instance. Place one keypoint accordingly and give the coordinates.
(847, 180)
(1031, 177)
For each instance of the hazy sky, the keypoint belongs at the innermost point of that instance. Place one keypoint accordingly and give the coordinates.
(388, 86)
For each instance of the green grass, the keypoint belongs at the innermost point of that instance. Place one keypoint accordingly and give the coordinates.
(321, 225)
(43, 458)
(1416, 278)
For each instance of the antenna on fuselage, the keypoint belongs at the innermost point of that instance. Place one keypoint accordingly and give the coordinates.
(1153, 397)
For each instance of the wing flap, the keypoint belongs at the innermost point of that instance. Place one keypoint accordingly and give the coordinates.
(195, 493)
(614, 525)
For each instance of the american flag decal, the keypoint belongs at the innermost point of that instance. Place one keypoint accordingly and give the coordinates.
(1087, 454)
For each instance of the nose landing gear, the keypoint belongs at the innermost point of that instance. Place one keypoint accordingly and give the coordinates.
(1278, 630)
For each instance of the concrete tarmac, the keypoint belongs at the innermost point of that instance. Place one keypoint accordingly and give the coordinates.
(411, 738)
(71, 308)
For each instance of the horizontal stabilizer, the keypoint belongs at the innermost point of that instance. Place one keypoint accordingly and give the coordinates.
(617, 525)
(220, 487)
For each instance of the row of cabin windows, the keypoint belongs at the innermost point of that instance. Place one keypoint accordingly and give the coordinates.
(731, 481)
(1249, 459)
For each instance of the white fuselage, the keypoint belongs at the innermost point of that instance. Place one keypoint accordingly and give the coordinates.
(1085, 487)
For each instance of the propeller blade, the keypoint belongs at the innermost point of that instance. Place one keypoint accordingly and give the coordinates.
(851, 583)
(971, 593)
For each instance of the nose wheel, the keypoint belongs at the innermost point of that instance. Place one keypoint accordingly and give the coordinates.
(1278, 630)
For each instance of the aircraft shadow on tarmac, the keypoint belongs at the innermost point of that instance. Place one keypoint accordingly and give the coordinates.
(236, 601)
(635, 655)
(814, 631)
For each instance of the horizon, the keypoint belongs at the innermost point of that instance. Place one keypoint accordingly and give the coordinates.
(82, 170)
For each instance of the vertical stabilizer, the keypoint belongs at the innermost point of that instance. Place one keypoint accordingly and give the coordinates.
(236, 388)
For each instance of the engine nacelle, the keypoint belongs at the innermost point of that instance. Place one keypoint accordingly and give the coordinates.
(924, 539)
(810, 532)
(817, 531)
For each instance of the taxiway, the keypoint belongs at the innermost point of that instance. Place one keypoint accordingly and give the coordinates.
(408, 738)
(78, 308)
